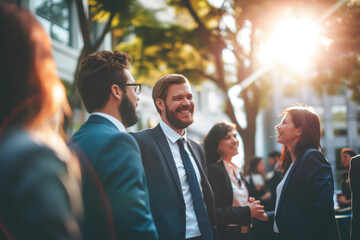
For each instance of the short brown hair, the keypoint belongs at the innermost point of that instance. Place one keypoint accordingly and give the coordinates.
(97, 73)
(162, 85)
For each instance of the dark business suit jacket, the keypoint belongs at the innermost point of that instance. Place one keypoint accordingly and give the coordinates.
(115, 158)
(223, 192)
(166, 198)
(35, 197)
(306, 206)
(355, 197)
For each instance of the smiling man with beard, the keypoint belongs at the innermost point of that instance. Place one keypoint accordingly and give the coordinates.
(108, 154)
(181, 199)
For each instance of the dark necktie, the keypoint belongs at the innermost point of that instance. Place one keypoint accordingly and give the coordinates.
(198, 202)
(238, 179)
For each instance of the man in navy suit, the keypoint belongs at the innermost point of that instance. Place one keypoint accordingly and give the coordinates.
(355, 197)
(109, 93)
(181, 198)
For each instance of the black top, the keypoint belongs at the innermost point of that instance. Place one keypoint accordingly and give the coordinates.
(223, 193)
(345, 189)
(355, 188)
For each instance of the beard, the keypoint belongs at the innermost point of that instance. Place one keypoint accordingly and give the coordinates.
(128, 112)
(176, 122)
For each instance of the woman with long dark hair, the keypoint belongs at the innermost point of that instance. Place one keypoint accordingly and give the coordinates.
(233, 209)
(304, 204)
(39, 176)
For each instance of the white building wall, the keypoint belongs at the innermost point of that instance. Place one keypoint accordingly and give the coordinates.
(66, 57)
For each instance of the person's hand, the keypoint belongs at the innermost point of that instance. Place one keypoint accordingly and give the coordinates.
(266, 196)
(342, 199)
(263, 217)
(256, 209)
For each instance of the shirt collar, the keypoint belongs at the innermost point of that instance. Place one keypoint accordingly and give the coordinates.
(112, 119)
(170, 133)
(231, 166)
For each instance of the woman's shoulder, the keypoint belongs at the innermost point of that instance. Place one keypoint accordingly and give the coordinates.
(216, 167)
(314, 157)
(18, 150)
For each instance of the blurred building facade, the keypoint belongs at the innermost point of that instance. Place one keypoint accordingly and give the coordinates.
(60, 20)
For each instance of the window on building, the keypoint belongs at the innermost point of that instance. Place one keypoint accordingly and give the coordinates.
(55, 16)
(320, 112)
(339, 120)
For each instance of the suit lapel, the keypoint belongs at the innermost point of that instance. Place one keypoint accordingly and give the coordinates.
(196, 156)
(296, 164)
(283, 192)
(163, 145)
(227, 179)
(206, 188)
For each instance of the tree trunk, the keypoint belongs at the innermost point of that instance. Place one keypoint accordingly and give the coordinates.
(248, 138)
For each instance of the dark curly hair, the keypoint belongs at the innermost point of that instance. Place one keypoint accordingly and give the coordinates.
(97, 73)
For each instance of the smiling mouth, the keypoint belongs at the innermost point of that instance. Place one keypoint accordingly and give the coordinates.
(185, 111)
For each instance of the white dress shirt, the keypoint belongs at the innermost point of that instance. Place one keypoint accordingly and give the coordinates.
(112, 119)
(240, 193)
(192, 226)
(279, 189)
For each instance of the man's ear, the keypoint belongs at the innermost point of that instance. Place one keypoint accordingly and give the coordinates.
(116, 92)
(160, 104)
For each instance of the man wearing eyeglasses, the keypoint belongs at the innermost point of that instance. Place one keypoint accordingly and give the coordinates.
(108, 154)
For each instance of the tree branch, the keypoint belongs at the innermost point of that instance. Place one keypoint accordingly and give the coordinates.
(83, 20)
(196, 18)
(231, 113)
(104, 32)
(219, 43)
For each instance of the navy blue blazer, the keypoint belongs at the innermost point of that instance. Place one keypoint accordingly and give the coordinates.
(115, 157)
(355, 197)
(166, 198)
(306, 206)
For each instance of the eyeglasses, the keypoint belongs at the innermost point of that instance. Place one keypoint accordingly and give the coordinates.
(136, 87)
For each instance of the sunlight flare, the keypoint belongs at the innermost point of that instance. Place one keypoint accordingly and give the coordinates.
(292, 43)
